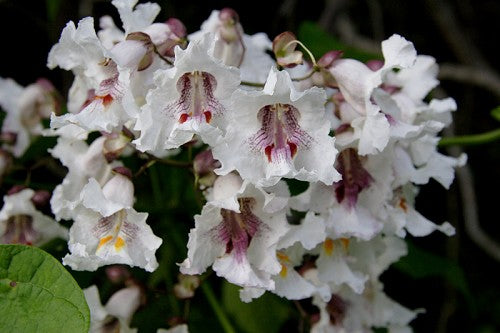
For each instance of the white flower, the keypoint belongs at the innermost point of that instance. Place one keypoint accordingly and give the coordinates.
(243, 51)
(237, 233)
(107, 230)
(190, 98)
(83, 162)
(350, 312)
(21, 222)
(357, 82)
(278, 132)
(25, 108)
(118, 311)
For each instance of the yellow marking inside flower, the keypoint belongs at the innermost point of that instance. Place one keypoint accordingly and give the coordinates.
(282, 257)
(284, 271)
(119, 243)
(345, 243)
(328, 246)
(103, 241)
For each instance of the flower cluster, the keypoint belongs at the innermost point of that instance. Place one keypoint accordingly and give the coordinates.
(361, 135)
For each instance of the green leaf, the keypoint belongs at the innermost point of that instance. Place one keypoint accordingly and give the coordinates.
(495, 113)
(319, 42)
(37, 294)
(268, 313)
(421, 264)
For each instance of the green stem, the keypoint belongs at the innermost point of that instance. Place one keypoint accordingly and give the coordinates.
(224, 321)
(474, 139)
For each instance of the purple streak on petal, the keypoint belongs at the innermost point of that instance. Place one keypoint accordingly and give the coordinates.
(354, 177)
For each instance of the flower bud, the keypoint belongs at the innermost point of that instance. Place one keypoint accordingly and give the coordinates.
(119, 188)
(284, 50)
(41, 198)
(9, 138)
(186, 286)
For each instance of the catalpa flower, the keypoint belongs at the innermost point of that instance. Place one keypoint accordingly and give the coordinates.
(370, 128)
(116, 315)
(235, 48)
(351, 312)
(83, 162)
(107, 230)
(22, 223)
(80, 50)
(278, 132)
(25, 108)
(237, 233)
(190, 98)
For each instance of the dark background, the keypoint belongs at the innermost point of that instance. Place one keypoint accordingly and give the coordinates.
(460, 289)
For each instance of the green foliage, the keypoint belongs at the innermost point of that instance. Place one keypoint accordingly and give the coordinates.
(319, 42)
(420, 264)
(37, 294)
(265, 314)
(495, 113)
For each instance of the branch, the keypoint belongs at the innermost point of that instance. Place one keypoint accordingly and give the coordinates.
(466, 74)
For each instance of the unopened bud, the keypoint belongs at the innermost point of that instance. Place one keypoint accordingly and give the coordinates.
(41, 198)
(177, 27)
(117, 274)
(15, 189)
(114, 145)
(375, 65)
(9, 138)
(328, 58)
(186, 286)
(284, 49)
(123, 171)
(230, 25)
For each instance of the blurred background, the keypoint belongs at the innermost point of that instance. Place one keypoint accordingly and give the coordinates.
(455, 279)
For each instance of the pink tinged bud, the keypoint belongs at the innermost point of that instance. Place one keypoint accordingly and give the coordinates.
(354, 177)
(204, 162)
(117, 274)
(114, 145)
(136, 50)
(375, 65)
(15, 189)
(343, 128)
(326, 61)
(41, 198)
(175, 34)
(186, 287)
(280, 136)
(9, 138)
(19, 230)
(123, 171)
(284, 49)
(336, 308)
(177, 27)
(196, 100)
(237, 229)
(230, 29)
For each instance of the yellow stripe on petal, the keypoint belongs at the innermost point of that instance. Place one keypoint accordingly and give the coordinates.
(119, 243)
(328, 246)
(103, 241)
(284, 271)
(345, 243)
